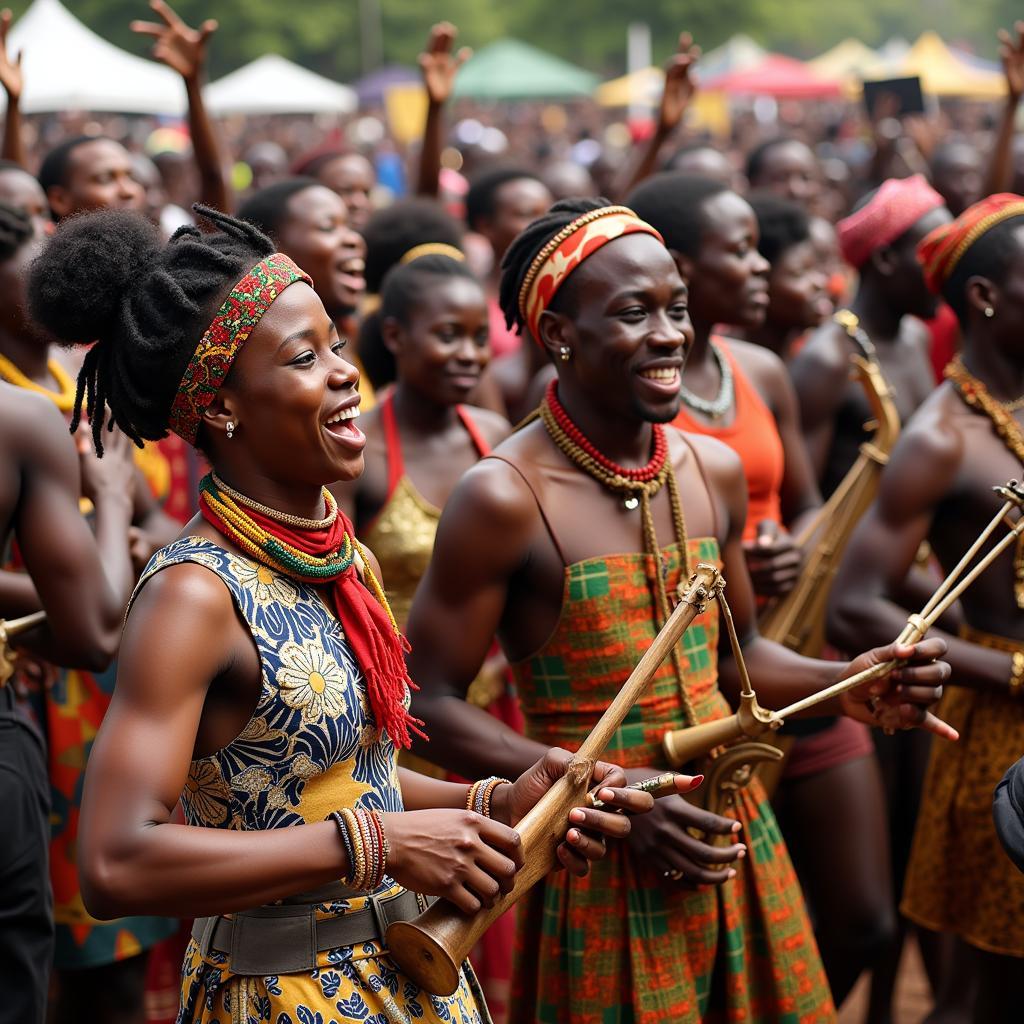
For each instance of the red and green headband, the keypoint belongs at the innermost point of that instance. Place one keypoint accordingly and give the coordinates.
(248, 300)
(560, 256)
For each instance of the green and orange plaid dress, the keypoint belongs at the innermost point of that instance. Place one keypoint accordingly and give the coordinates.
(625, 945)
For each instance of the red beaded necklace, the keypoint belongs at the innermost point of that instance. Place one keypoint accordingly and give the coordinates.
(642, 475)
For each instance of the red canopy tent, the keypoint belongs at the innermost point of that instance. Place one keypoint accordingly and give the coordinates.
(777, 76)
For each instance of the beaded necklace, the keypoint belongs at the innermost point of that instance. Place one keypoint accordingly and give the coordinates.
(718, 406)
(254, 540)
(639, 486)
(64, 399)
(976, 395)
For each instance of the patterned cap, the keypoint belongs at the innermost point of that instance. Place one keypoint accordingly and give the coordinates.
(897, 205)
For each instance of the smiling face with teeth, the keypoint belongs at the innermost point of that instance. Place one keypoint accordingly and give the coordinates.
(317, 234)
(623, 315)
(292, 397)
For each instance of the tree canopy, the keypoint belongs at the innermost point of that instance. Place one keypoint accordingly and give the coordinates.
(342, 38)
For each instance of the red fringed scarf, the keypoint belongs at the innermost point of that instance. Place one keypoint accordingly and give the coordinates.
(328, 555)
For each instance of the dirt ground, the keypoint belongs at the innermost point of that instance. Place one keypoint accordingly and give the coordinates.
(913, 1000)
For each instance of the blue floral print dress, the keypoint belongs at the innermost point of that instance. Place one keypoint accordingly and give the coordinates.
(310, 747)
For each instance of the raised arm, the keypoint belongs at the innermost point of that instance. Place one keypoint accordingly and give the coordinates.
(439, 66)
(1011, 53)
(483, 540)
(183, 49)
(679, 90)
(11, 79)
(83, 583)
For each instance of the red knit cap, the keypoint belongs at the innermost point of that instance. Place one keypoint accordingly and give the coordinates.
(897, 205)
(942, 249)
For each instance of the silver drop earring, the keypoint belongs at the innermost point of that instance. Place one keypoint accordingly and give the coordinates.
(989, 311)
(230, 429)
(565, 353)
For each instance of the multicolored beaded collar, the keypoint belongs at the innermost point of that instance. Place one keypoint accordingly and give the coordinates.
(248, 300)
(567, 250)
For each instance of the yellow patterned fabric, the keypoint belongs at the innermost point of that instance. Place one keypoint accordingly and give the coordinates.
(959, 879)
(402, 538)
(310, 747)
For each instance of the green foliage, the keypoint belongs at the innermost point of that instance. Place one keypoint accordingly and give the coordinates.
(328, 35)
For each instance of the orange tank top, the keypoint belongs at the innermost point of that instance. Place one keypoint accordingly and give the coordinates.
(754, 436)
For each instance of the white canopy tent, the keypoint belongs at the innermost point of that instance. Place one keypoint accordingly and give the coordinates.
(68, 67)
(271, 84)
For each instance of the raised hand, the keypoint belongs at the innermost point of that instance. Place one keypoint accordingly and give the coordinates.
(114, 473)
(1011, 54)
(901, 699)
(439, 65)
(664, 840)
(679, 84)
(10, 71)
(181, 48)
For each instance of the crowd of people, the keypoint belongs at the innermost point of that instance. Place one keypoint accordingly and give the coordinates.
(351, 505)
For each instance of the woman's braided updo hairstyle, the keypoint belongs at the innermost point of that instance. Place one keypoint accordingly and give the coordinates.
(527, 244)
(108, 277)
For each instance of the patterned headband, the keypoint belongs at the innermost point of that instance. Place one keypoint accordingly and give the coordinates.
(433, 249)
(941, 250)
(567, 250)
(236, 319)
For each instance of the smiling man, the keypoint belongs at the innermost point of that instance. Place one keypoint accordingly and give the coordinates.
(566, 543)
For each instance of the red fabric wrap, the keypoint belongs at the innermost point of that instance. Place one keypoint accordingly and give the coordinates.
(379, 647)
(897, 205)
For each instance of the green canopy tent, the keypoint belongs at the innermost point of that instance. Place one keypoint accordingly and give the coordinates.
(511, 70)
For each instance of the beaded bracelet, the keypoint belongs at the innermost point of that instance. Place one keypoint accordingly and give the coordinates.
(362, 835)
(478, 798)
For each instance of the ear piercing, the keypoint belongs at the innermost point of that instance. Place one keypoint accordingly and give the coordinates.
(565, 353)
(230, 429)
(989, 311)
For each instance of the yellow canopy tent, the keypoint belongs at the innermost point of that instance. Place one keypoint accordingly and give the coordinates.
(942, 73)
(643, 86)
(707, 111)
(850, 61)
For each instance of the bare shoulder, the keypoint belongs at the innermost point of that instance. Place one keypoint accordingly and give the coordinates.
(825, 352)
(186, 593)
(928, 455)
(723, 467)
(756, 359)
(494, 427)
(27, 418)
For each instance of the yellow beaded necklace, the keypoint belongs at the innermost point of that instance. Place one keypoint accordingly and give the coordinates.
(64, 399)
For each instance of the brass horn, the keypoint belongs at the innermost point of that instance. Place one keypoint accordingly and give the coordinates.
(10, 628)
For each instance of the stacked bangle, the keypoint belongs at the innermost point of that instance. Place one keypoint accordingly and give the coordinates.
(1016, 681)
(362, 835)
(478, 798)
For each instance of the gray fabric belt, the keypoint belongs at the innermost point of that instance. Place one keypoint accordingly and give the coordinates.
(285, 938)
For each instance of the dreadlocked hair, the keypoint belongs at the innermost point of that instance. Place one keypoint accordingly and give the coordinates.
(108, 279)
(525, 247)
(15, 229)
